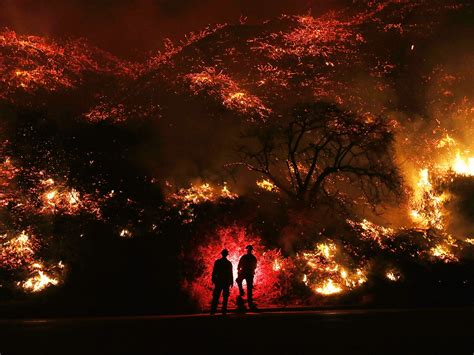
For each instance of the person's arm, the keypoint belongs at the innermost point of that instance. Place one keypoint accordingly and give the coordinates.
(231, 273)
(239, 266)
(214, 273)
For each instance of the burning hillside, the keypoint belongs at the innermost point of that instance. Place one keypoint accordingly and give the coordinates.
(338, 146)
(34, 65)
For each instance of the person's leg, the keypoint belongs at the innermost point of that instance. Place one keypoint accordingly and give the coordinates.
(215, 298)
(239, 280)
(225, 298)
(249, 281)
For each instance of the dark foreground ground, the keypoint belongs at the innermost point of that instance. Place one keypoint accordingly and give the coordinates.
(401, 331)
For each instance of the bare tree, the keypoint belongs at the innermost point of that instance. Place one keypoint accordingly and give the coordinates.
(319, 150)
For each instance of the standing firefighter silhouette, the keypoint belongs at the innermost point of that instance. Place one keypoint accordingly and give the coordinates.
(223, 279)
(246, 271)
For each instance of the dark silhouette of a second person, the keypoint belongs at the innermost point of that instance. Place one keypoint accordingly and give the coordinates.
(223, 279)
(246, 271)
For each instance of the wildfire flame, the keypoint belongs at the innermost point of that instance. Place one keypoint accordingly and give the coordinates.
(463, 166)
(201, 193)
(325, 275)
(184, 199)
(393, 275)
(266, 184)
(39, 282)
(20, 252)
(328, 288)
(370, 231)
(427, 203)
(125, 233)
(442, 252)
(57, 197)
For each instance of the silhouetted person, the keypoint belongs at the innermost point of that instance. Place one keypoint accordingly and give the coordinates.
(246, 271)
(222, 278)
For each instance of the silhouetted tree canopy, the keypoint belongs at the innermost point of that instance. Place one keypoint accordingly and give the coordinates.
(320, 151)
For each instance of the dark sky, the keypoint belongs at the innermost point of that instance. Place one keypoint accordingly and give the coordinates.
(130, 27)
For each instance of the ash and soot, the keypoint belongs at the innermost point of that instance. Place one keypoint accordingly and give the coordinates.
(338, 144)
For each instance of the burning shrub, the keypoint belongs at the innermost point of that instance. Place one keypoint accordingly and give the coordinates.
(325, 274)
(31, 63)
(18, 255)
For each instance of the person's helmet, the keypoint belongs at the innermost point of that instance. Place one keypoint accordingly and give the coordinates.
(249, 247)
(224, 252)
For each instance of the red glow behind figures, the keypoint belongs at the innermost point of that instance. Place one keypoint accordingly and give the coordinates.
(271, 266)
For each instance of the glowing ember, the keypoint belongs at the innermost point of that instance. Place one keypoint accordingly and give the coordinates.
(8, 173)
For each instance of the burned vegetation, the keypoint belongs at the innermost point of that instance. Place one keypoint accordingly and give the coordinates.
(338, 146)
